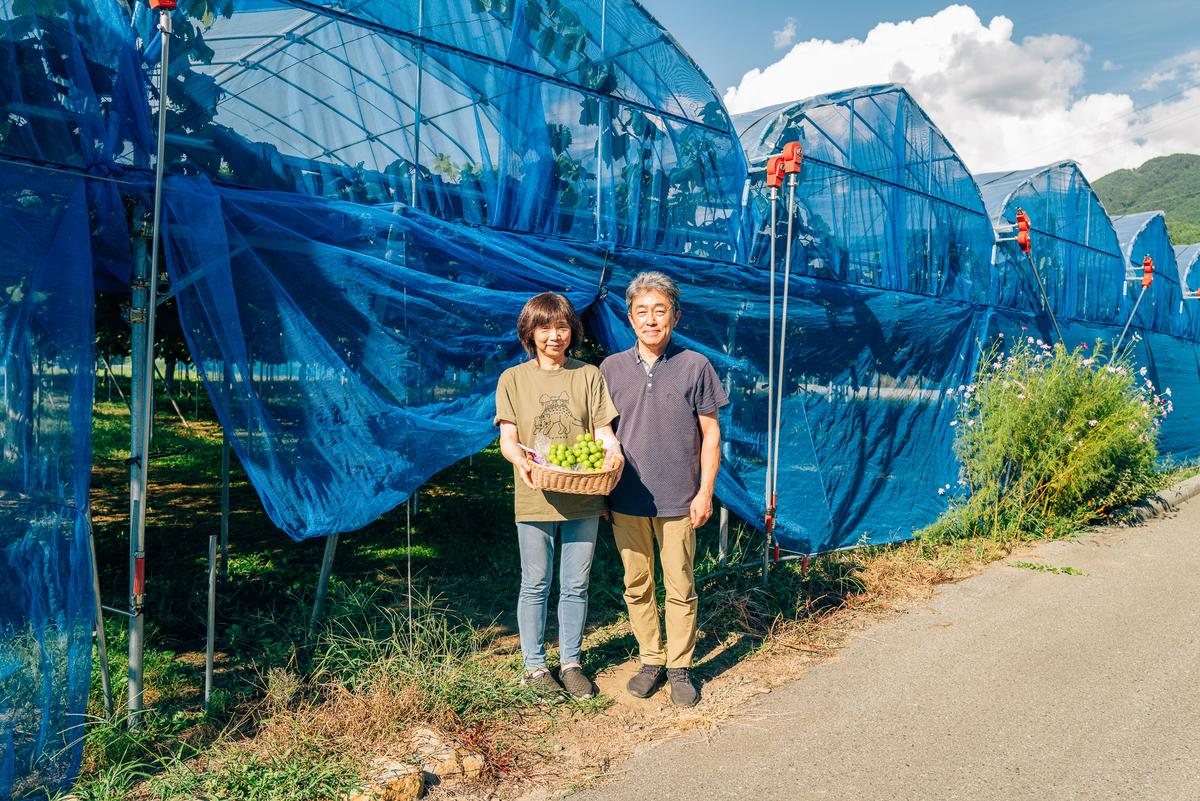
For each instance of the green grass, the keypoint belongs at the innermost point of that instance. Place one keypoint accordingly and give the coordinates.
(1044, 568)
(459, 669)
(294, 714)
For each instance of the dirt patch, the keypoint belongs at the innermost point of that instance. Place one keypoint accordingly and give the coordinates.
(564, 756)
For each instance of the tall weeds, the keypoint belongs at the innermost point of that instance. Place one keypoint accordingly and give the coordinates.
(1051, 440)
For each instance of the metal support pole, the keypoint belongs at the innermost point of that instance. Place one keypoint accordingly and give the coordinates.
(211, 620)
(171, 398)
(101, 640)
(787, 275)
(416, 167)
(1112, 356)
(323, 583)
(723, 519)
(224, 509)
(723, 535)
(1045, 298)
(408, 566)
(144, 305)
(602, 111)
(769, 487)
(112, 379)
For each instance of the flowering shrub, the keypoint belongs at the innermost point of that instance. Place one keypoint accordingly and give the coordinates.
(1052, 439)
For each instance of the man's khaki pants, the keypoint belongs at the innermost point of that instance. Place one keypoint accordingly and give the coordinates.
(676, 539)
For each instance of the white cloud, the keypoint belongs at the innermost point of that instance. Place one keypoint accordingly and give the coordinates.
(1003, 103)
(786, 35)
(1110, 66)
(1185, 66)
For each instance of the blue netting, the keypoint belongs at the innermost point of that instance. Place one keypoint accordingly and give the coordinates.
(1074, 245)
(361, 346)
(1187, 260)
(74, 94)
(362, 196)
(884, 201)
(538, 117)
(46, 360)
(1144, 235)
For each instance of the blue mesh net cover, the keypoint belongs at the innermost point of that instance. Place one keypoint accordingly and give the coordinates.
(361, 197)
(1160, 309)
(46, 359)
(1187, 260)
(1075, 248)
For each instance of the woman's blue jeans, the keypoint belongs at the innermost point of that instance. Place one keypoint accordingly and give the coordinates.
(537, 565)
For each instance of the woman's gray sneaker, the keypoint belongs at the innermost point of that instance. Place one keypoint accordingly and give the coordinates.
(543, 683)
(646, 681)
(683, 691)
(576, 684)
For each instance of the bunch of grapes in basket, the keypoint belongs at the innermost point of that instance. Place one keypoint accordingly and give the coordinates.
(586, 455)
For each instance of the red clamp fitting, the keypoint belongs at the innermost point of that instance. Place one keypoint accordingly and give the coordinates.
(162, 5)
(1147, 271)
(1024, 242)
(775, 171)
(139, 582)
(793, 157)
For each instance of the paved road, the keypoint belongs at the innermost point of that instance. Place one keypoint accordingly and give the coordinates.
(1012, 685)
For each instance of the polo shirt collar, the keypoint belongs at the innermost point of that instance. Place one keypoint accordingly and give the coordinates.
(671, 350)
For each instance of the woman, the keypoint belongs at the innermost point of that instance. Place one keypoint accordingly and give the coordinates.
(558, 397)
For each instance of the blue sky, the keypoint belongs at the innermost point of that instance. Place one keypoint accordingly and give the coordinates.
(728, 38)
(1013, 84)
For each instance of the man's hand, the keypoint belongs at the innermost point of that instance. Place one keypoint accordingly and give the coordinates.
(701, 509)
(526, 470)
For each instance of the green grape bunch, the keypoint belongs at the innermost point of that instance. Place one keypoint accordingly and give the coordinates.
(585, 455)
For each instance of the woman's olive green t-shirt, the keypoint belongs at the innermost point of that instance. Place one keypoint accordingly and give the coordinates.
(562, 404)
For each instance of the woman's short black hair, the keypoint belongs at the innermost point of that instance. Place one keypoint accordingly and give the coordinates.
(544, 310)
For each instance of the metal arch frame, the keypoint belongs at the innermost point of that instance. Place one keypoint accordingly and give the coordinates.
(480, 57)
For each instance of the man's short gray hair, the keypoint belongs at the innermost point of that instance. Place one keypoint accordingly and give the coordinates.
(651, 282)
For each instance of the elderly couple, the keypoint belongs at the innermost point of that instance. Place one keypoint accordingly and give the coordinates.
(661, 401)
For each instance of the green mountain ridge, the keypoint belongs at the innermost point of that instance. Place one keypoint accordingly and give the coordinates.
(1169, 183)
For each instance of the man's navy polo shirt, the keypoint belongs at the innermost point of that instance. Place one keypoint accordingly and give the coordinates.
(659, 428)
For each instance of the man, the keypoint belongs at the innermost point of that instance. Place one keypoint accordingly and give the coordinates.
(667, 398)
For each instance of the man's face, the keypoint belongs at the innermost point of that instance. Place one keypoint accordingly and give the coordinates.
(653, 318)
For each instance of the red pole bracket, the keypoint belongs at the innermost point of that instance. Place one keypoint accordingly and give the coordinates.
(139, 582)
(1147, 272)
(775, 171)
(793, 157)
(162, 5)
(1024, 241)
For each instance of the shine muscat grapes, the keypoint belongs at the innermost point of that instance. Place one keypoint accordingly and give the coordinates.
(585, 455)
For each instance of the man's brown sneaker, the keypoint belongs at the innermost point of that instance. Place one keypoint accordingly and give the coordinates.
(576, 684)
(543, 683)
(646, 681)
(683, 691)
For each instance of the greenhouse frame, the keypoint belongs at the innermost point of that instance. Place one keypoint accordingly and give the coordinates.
(358, 199)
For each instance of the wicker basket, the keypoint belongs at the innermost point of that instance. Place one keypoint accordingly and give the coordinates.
(555, 479)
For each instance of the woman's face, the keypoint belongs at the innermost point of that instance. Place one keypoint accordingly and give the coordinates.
(552, 340)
